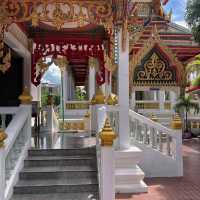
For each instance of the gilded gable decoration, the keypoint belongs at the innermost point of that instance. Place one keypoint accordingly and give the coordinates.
(154, 71)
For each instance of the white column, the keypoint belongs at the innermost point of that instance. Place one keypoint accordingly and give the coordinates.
(65, 85)
(123, 93)
(173, 98)
(92, 83)
(107, 173)
(2, 173)
(133, 100)
(162, 99)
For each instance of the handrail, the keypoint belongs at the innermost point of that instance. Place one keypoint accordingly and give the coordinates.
(8, 110)
(16, 146)
(15, 126)
(148, 121)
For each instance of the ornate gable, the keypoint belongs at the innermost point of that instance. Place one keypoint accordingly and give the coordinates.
(154, 70)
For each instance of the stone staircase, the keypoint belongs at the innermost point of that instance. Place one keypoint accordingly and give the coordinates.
(64, 174)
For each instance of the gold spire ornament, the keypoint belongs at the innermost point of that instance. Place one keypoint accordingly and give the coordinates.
(3, 136)
(176, 122)
(87, 114)
(25, 97)
(112, 99)
(154, 118)
(107, 135)
(93, 102)
(99, 97)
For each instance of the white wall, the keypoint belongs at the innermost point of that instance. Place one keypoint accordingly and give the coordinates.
(155, 164)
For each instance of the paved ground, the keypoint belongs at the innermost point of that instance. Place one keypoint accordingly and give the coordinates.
(185, 188)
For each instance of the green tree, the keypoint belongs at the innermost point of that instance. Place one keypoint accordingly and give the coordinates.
(185, 104)
(193, 17)
(194, 66)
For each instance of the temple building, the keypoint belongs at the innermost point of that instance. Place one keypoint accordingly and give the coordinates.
(123, 66)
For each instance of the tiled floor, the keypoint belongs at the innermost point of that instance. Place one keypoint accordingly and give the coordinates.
(185, 188)
(62, 140)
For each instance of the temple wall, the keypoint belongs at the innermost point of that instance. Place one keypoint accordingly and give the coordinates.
(18, 41)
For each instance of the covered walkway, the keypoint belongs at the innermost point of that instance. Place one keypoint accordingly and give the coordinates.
(185, 188)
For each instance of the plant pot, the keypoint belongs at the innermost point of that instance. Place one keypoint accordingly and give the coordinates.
(187, 135)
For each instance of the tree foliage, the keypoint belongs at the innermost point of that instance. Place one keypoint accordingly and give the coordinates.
(185, 104)
(193, 17)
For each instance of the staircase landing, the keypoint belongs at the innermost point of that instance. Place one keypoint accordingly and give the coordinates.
(61, 167)
(68, 140)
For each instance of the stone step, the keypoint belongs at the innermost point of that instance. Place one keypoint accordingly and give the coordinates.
(62, 152)
(68, 172)
(129, 176)
(57, 196)
(45, 186)
(35, 161)
(140, 187)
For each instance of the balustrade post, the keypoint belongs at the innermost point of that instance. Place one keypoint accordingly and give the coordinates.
(26, 100)
(3, 136)
(145, 138)
(176, 125)
(3, 121)
(160, 142)
(107, 170)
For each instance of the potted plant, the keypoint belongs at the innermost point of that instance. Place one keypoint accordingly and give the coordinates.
(185, 105)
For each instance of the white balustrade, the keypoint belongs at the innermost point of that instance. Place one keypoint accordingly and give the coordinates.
(16, 146)
(105, 156)
(4, 112)
(49, 120)
(150, 134)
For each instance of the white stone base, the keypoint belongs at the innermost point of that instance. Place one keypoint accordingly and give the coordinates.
(128, 176)
(133, 188)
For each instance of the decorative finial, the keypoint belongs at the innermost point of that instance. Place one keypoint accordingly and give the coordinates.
(99, 97)
(153, 117)
(176, 122)
(87, 115)
(3, 136)
(25, 97)
(93, 102)
(112, 99)
(107, 135)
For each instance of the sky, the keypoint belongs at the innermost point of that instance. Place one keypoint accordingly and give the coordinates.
(178, 8)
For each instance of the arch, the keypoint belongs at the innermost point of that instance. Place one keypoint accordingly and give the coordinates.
(70, 48)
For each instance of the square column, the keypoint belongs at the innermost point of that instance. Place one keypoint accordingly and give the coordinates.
(65, 85)
(173, 99)
(123, 93)
(92, 82)
(162, 100)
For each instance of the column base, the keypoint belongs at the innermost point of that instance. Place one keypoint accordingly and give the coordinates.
(132, 188)
(128, 175)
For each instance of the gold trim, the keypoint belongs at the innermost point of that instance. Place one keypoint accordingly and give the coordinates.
(107, 135)
(154, 118)
(112, 99)
(176, 122)
(99, 97)
(3, 136)
(25, 97)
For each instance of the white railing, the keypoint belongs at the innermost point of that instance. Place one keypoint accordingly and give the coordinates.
(16, 146)
(113, 115)
(105, 157)
(149, 134)
(4, 112)
(50, 122)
